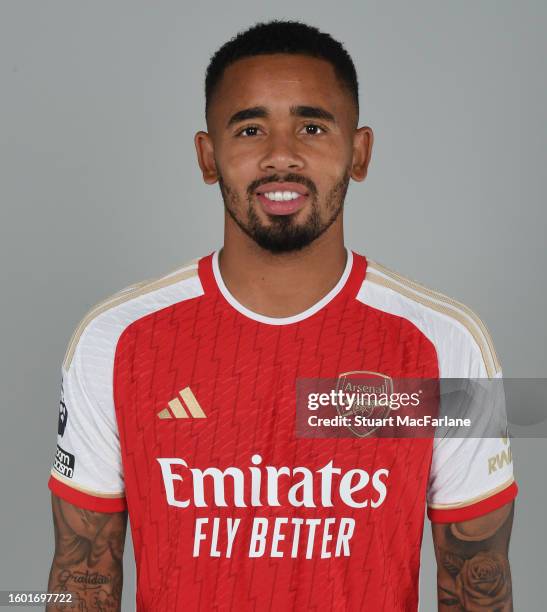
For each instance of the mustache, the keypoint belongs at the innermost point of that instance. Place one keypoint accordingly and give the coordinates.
(287, 178)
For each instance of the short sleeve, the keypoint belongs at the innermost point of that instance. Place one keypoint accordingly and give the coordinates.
(87, 469)
(473, 476)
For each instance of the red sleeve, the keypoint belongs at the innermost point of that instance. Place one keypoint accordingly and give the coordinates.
(473, 510)
(86, 500)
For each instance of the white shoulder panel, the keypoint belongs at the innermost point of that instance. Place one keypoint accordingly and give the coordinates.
(461, 469)
(464, 346)
(109, 318)
(90, 458)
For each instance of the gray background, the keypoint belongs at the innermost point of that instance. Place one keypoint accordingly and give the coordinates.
(100, 188)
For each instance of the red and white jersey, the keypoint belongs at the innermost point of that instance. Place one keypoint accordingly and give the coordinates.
(178, 403)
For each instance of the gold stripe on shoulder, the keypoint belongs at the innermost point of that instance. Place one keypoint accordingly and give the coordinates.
(122, 296)
(69, 483)
(193, 263)
(443, 304)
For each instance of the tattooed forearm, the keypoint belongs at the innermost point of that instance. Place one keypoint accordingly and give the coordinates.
(473, 572)
(88, 559)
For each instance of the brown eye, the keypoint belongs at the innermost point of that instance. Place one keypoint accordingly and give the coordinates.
(249, 128)
(312, 128)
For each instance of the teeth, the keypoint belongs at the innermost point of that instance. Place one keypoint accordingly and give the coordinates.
(282, 196)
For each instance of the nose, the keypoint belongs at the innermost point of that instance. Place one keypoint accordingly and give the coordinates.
(281, 154)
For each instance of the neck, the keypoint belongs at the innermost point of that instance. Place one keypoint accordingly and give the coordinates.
(285, 284)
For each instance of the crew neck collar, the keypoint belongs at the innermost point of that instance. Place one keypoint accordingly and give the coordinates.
(212, 280)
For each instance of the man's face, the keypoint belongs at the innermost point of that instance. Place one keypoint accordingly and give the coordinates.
(281, 145)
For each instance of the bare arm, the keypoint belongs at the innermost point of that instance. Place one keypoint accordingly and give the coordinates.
(88, 560)
(473, 572)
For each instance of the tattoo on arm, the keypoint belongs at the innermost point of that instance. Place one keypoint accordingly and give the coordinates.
(88, 559)
(473, 571)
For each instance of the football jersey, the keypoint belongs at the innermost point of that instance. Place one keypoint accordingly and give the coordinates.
(178, 404)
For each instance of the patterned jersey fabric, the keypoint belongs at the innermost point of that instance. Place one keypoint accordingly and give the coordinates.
(178, 404)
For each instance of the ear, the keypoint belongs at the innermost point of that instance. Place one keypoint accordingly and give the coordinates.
(206, 158)
(362, 149)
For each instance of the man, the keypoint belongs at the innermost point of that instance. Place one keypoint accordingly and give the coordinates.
(178, 398)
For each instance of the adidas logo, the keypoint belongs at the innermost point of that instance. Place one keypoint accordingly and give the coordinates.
(193, 409)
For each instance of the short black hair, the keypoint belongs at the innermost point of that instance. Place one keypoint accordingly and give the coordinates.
(282, 36)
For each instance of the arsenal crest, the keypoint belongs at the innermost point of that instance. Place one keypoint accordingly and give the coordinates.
(372, 392)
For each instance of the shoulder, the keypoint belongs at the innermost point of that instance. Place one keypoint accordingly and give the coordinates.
(98, 332)
(464, 345)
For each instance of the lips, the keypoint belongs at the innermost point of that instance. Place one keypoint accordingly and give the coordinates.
(283, 207)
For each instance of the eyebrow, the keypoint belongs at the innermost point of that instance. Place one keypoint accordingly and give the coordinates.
(261, 112)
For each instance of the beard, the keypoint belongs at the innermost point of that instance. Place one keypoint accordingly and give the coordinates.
(284, 234)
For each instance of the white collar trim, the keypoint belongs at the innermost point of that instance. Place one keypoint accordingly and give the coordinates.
(282, 320)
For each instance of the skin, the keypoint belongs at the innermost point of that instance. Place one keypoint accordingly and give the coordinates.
(283, 145)
(472, 556)
(88, 560)
(473, 571)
